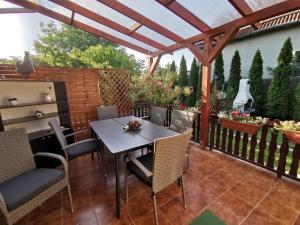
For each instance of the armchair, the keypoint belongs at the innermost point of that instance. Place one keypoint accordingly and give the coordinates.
(79, 148)
(17, 168)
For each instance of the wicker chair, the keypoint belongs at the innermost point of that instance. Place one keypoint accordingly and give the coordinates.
(107, 112)
(23, 187)
(180, 122)
(78, 148)
(158, 115)
(161, 168)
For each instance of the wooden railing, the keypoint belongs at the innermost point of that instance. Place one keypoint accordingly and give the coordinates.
(268, 149)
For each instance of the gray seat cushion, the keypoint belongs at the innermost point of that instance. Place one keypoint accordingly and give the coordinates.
(79, 149)
(21, 189)
(147, 161)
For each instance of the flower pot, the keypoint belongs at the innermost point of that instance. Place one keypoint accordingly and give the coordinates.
(240, 126)
(293, 136)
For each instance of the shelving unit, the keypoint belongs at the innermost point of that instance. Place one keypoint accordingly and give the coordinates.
(28, 118)
(26, 104)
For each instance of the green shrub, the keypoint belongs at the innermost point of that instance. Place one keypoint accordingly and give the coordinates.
(219, 72)
(234, 77)
(279, 93)
(256, 82)
(193, 83)
(296, 114)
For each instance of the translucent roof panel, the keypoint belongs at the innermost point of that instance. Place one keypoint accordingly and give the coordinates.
(105, 11)
(212, 12)
(161, 15)
(154, 36)
(54, 7)
(260, 4)
(112, 32)
(4, 4)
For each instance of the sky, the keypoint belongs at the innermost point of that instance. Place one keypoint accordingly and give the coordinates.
(20, 30)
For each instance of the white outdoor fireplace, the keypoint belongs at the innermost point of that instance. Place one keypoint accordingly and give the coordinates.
(243, 100)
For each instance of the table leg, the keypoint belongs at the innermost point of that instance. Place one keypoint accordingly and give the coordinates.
(118, 201)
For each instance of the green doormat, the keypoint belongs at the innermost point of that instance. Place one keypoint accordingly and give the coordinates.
(207, 218)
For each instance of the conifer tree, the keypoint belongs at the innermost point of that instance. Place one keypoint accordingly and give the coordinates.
(234, 77)
(199, 86)
(182, 76)
(173, 67)
(279, 93)
(296, 114)
(256, 82)
(219, 72)
(193, 83)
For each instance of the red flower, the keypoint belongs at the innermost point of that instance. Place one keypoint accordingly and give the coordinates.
(181, 106)
(235, 113)
(245, 115)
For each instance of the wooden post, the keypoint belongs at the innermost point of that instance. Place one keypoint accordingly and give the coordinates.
(205, 103)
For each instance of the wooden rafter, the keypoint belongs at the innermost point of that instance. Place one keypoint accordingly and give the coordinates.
(123, 9)
(107, 22)
(196, 52)
(152, 64)
(15, 10)
(244, 9)
(57, 16)
(185, 14)
(271, 11)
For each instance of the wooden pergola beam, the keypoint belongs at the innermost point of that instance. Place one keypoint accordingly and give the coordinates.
(271, 11)
(107, 22)
(152, 64)
(196, 52)
(77, 24)
(123, 9)
(15, 10)
(244, 9)
(185, 14)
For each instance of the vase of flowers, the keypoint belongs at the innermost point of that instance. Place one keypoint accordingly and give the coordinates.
(242, 122)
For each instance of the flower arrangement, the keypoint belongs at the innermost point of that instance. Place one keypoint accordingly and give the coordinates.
(242, 117)
(291, 130)
(132, 125)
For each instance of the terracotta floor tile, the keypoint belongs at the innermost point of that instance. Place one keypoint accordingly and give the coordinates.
(224, 179)
(249, 193)
(297, 222)
(258, 217)
(139, 206)
(279, 206)
(176, 213)
(236, 205)
(224, 214)
(211, 188)
(109, 218)
(196, 200)
(149, 219)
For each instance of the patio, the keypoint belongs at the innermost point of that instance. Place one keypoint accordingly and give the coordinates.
(237, 192)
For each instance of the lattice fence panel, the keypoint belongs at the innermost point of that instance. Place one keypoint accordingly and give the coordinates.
(114, 88)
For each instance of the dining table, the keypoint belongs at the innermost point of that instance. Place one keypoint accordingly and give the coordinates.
(118, 141)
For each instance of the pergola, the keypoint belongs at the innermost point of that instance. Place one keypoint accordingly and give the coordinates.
(158, 27)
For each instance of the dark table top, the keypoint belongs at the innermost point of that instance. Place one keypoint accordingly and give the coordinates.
(117, 141)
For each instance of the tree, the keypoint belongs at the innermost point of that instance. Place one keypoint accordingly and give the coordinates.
(256, 82)
(199, 86)
(67, 46)
(173, 67)
(219, 71)
(296, 114)
(182, 76)
(296, 64)
(193, 83)
(234, 77)
(279, 94)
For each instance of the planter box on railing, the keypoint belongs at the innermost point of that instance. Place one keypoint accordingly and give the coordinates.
(240, 126)
(292, 136)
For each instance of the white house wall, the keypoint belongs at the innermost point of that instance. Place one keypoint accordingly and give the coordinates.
(269, 45)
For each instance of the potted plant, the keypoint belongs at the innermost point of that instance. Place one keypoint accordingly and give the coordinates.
(290, 129)
(241, 122)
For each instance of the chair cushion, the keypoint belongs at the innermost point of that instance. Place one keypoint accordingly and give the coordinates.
(79, 149)
(21, 189)
(147, 161)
